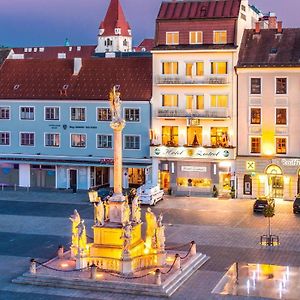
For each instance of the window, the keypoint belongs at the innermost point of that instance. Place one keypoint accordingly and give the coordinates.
(281, 146)
(200, 102)
(132, 142)
(219, 67)
(27, 139)
(219, 136)
(78, 140)
(170, 68)
(255, 86)
(255, 144)
(220, 37)
(194, 136)
(103, 114)
(4, 138)
(132, 114)
(51, 113)
(172, 38)
(189, 69)
(199, 68)
(218, 101)
(170, 100)
(170, 135)
(77, 114)
(4, 113)
(255, 117)
(52, 139)
(281, 116)
(189, 101)
(196, 37)
(281, 86)
(104, 141)
(27, 113)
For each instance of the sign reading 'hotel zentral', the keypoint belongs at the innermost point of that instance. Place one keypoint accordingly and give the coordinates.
(184, 152)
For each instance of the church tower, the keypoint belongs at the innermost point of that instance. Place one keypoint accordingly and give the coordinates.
(114, 32)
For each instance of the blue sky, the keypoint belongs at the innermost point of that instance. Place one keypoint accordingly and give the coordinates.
(49, 22)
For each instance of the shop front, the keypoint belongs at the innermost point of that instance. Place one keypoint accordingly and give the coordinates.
(42, 176)
(277, 178)
(194, 171)
(9, 174)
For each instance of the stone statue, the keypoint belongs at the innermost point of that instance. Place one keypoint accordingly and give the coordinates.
(159, 220)
(160, 238)
(136, 210)
(75, 218)
(99, 210)
(106, 210)
(125, 213)
(151, 227)
(115, 104)
(126, 236)
(82, 240)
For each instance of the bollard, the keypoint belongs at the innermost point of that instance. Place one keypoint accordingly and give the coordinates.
(193, 248)
(15, 187)
(60, 252)
(2, 187)
(158, 277)
(93, 272)
(177, 262)
(27, 188)
(32, 268)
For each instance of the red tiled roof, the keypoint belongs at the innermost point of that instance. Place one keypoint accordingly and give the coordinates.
(51, 52)
(114, 18)
(45, 79)
(147, 44)
(199, 9)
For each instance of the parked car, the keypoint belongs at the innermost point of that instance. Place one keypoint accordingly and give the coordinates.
(150, 194)
(259, 205)
(296, 205)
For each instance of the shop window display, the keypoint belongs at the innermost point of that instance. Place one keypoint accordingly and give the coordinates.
(195, 182)
(219, 137)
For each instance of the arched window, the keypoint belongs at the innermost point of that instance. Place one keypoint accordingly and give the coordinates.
(273, 170)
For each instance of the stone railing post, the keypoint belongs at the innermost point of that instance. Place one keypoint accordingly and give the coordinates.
(193, 249)
(32, 268)
(158, 277)
(60, 252)
(93, 272)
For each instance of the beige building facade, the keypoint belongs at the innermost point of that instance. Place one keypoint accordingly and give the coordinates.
(268, 158)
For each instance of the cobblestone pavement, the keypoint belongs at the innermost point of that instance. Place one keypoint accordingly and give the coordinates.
(33, 224)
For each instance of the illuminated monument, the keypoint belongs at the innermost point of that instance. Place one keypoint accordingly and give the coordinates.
(118, 259)
(118, 245)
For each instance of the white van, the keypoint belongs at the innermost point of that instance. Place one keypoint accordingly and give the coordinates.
(149, 194)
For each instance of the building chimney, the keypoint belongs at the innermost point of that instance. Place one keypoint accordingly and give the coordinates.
(272, 21)
(77, 65)
(279, 27)
(257, 27)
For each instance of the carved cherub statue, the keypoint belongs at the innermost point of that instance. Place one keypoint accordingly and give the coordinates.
(136, 210)
(125, 213)
(82, 240)
(151, 227)
(115, 104)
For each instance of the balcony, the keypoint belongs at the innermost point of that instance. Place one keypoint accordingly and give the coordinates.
(175, 112)
(197, 152)
(209, 80)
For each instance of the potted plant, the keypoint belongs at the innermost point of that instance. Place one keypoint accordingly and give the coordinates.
(232, 192)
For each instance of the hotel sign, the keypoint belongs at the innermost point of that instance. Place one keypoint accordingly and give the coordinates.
(200, 152)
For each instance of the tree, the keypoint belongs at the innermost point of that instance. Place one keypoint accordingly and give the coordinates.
(269, 212)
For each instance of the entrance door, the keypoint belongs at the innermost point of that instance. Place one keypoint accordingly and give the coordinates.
(73, 179)
(277, 186)
(165, 180)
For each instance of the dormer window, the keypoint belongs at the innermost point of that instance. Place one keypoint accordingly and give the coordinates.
(108, 42)
(172, 38)
(117, 30)
(196, 37)
(220, 37)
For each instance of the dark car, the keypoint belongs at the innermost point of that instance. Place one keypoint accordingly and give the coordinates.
(296, 205)
(259, 205)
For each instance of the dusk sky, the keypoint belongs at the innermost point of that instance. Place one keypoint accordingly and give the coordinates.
(49, 22)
